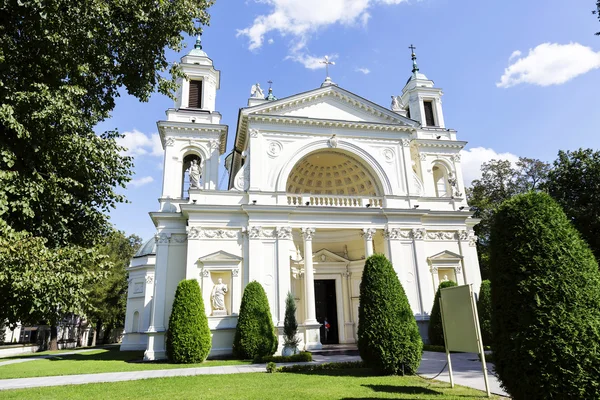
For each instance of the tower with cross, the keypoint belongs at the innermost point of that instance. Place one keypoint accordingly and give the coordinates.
(327, 62)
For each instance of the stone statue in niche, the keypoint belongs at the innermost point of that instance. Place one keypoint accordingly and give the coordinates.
(218, 298)
(194, 174)
(256, 92)
(397, 104)
(445, 279)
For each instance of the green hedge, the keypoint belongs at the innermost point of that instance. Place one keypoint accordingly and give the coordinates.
(304, 356)
(255, 334)
(484, 311)
(388, 336)
(188, 336)
(322, 367)
(545, 302)
(435, 330)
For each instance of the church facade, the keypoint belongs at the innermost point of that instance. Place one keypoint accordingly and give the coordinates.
(318, 182)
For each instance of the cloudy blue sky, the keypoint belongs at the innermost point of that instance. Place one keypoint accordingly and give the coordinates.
(520, 78)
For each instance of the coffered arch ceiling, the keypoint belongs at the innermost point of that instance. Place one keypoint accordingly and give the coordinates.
(332, 172)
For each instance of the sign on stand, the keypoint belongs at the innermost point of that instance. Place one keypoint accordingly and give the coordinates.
(461, 326)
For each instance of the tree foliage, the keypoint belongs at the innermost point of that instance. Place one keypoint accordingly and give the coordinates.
(388, 336)
(255, 334)
(62, 64)
(500, 180)
(188, 336)
(107, 298)
(290, 325)
(545, 302)
(597, 12)
(436, 328)
(574, 182)
(484, 311)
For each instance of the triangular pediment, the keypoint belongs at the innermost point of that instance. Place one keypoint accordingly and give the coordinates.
(326, 256)
(330, 103)
(445, 256)
(219, 256)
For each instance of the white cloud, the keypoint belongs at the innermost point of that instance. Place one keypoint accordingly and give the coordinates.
(365, 71)
(137, 143)
(310, 62)
(299, 19)
(472, 160)
(270, 41)
(141, 181)
(549, 64)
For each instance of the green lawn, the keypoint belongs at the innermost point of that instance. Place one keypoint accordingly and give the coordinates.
(342, 384)
(101, 360)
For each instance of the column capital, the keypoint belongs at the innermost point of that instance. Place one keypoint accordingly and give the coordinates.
(284, 232)
(367, 233)
(162, 238)
(308, 233)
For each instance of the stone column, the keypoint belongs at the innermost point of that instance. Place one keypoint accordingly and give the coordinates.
(309, 279)
(284, 243)
(467, 240)
(367, 234)
(311, 326)
(156, 331)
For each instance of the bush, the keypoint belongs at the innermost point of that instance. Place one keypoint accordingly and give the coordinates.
(545, 302)
(322, 367)
(484, 311)
(188, 336)
(435, 329)
(271, 368)
(388, 336)
(290, 326)
(255, 334)
(304, 356)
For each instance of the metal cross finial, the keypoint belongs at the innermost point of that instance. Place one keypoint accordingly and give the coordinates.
(270, 84)
(327, 64)
(414, 58)
(413, 48)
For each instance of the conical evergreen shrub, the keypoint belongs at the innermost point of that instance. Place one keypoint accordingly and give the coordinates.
(484, 311)
(255, 334)
(435, 330)
(188, 335)
(545, 302)
(388, 336)
(290, 325)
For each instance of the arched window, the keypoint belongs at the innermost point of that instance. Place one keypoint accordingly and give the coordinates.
(440, 180)
(135, 325)
(192, 173)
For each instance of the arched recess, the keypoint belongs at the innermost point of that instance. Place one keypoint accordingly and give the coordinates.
(188, 156)
(441, 173)
(351, 152)
(135, 325)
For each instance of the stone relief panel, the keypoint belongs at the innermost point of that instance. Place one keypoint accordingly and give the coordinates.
(213, 233)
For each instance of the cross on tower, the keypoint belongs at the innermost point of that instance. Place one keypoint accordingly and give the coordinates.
(270, 84)
(327, 64)
(414, 58)
(413, 48)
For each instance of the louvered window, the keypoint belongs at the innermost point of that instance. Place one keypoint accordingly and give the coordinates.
(195, 94)
(429, 120)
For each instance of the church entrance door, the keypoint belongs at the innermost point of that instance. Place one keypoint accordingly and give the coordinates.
(326, 310)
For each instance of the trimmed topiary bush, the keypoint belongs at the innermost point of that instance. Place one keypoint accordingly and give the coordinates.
(545, 302)
(388, 336)
(435, 330)
(188, 336)
(484, 311)
(255, 334)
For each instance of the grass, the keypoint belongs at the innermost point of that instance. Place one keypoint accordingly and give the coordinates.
(96, 361)
(340, 384)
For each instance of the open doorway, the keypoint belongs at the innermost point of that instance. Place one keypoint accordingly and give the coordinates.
(326, 310)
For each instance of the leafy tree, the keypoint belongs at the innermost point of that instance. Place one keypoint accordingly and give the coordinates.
(38, 284)
(290, 325)
(108, 297)
(597, 12)
(500, 181)
(545, 302)
(484, 311)
(188, 336)
(436, 328)
(388, 336)
(62, 64)
(574, 183)
(255, 334)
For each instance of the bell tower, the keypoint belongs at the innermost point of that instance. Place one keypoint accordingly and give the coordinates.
(421, 99)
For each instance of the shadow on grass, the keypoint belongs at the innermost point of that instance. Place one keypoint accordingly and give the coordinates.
(111, 355)
(402, 389)
(355, 372)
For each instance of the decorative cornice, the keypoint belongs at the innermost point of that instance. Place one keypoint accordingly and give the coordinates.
(397, 233)
(468, 236)
(451, 144)
(418, 233)
(257, 232)
(284, 232)
(441, 235)
(162, 238)
(213, 233)
(328, 123)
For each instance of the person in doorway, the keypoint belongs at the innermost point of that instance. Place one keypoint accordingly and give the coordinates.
(326, 326)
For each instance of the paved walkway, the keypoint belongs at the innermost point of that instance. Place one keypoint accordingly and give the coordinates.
(466, 367)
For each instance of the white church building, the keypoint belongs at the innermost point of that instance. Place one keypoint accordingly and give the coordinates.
(319, 181)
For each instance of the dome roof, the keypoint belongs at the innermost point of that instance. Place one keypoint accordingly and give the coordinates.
(148, 249)
(331, 172)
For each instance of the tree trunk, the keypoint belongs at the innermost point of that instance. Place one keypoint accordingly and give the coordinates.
(79, 333)
(53, 337)
(107, 334)
(97, 332)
